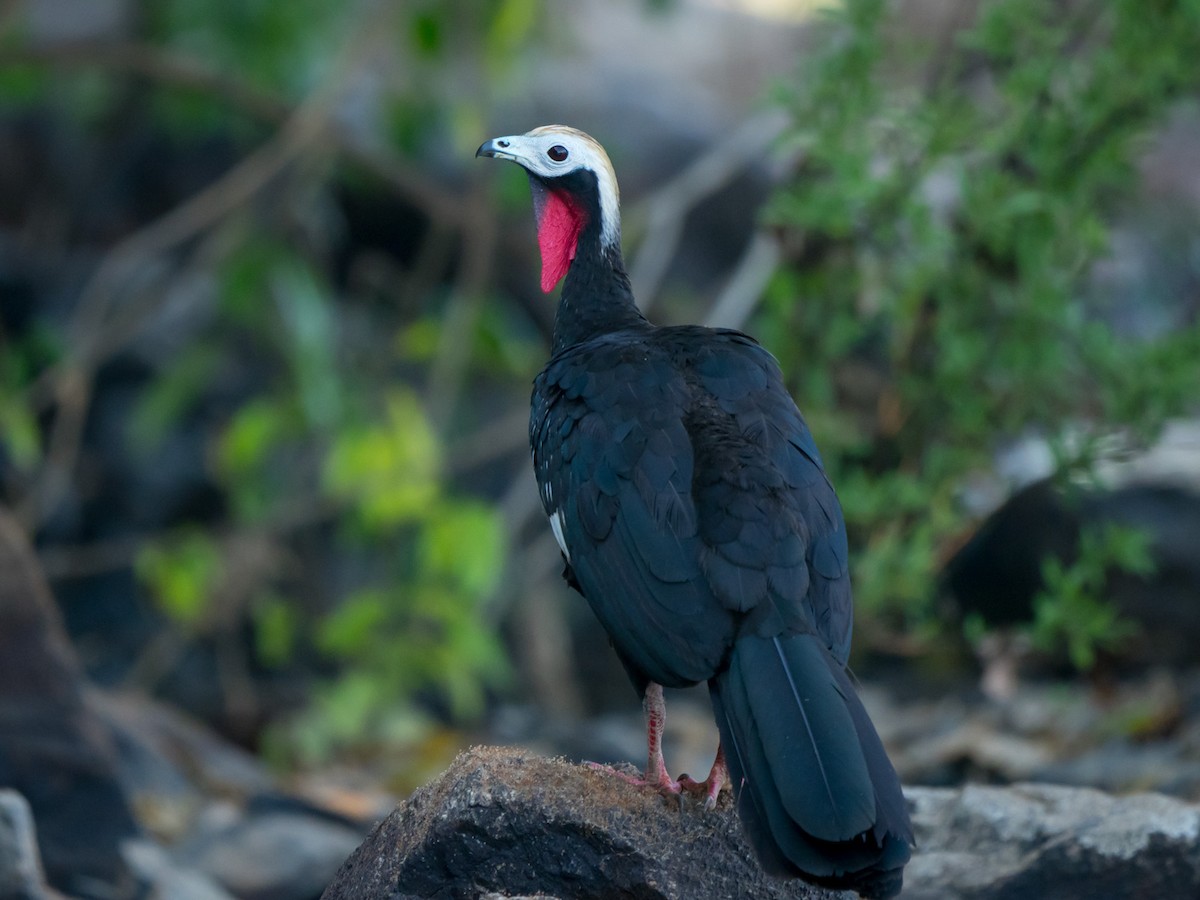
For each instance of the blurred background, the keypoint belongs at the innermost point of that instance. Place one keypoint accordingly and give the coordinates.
(271, 549)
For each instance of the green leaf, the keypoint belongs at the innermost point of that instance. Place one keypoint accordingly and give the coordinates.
(427, 33)
(388, 472)
(351, 628)
(20, 439)
(509, 29)
(277, 629)
(181, 574)
(170, 396)
(464, 542)
(247, 441)
(419, 342)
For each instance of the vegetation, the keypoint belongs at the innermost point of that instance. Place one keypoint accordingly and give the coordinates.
(949, 205)
(325, 391)
(338, 394)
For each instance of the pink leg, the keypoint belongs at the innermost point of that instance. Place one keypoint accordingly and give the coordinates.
(656, 769)
(711, 786)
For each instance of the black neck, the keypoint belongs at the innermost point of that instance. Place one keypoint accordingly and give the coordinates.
(596, 296)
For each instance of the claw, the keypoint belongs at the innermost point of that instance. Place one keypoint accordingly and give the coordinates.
(656, 770)
(711, 786)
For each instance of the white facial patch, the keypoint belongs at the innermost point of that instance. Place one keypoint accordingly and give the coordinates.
(533, 152)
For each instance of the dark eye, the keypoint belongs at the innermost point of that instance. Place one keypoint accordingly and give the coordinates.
(557, 153)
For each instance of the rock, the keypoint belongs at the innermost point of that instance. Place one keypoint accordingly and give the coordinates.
(88, 761)
(1036, 840)
(505, 822)
(170, 880)
(53, 748)
(168, 765)
(997, 574)
(276, 853)
(21, 875)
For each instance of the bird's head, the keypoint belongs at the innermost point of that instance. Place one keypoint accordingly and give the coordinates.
(573, 188)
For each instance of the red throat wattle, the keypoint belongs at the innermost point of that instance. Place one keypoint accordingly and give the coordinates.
(559, 222)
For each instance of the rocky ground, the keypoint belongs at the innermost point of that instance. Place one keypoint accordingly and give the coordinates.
(115, 796)
(212, 824)
(505, 823)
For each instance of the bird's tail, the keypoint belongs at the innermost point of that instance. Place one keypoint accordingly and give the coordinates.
(815, 790)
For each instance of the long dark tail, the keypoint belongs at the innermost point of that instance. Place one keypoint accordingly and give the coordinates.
(815, 790)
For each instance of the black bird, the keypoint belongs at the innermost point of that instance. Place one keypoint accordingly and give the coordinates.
(694, 514)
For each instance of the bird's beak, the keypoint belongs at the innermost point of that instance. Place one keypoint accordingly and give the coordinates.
(500, 148)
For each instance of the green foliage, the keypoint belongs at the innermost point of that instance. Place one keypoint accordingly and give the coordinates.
(944, 216)
(386, 469)
(169, 397)
(398, 639)
(19, 437)
(20, 361)
(1071, 611)
(326, 438)
(273, 44)
(182, 573)
(331, 446)
(335, 442)
(277, 629)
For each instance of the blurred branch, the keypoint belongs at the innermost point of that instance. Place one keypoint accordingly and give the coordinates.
(449, 368)
(531, 602)
(10, 10)
(508, 434)
(745, 287)
(432, 259)
(67, 562)
(68, 386)
(944, 62)
(174, 69)
(153, 64)
(667, 209)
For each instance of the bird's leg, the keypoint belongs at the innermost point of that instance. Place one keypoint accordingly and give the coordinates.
(656, 719)
(656, 769)
(711, 786)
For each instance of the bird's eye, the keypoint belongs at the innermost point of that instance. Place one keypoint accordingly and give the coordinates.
(557, 153)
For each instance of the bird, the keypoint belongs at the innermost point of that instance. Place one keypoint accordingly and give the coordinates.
(693, 513)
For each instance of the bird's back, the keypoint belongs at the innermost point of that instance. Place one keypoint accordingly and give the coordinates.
(688, 496)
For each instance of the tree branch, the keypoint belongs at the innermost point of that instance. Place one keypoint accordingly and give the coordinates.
(667, 209)
(69, 385)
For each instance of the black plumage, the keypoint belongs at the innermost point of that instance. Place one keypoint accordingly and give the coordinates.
(695, 516)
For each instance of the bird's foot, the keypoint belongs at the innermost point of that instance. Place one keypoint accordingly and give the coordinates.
(710, 787)
(659, 780)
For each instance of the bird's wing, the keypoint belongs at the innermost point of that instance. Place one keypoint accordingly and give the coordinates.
(614, 465)
(686, 497)
(772, 527)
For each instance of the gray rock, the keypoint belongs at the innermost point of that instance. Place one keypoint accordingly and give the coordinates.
(53, 747)
(168, 765)
(502, 821)
(170, 880)
(21, 875)
(1047, 841)
(505, 823)
(271, 856)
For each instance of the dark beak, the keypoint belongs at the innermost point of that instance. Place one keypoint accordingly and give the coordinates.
(487, 148)
(496, 148)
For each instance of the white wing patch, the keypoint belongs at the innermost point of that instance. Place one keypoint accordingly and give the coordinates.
(556, 525)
